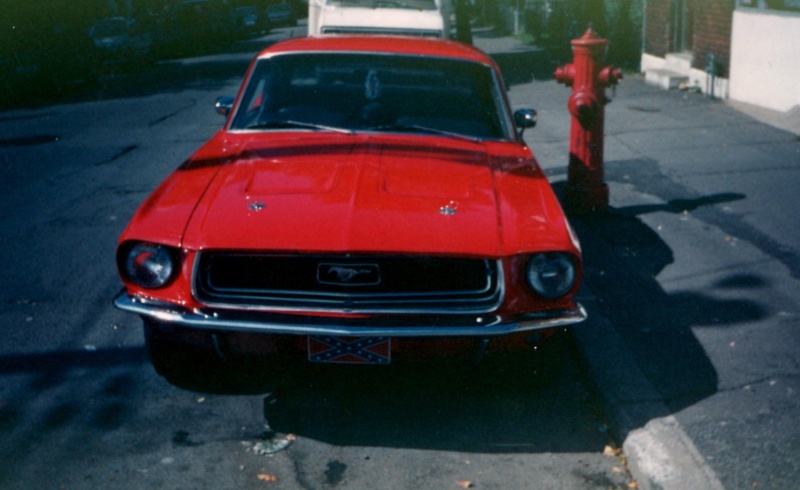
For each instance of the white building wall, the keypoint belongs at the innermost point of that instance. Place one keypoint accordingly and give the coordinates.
(765, 59)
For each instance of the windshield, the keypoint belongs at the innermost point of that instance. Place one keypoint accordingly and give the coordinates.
(371, 92)
(395, 4)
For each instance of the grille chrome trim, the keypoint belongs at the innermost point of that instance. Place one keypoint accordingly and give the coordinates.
(349, 298)
(413, 326)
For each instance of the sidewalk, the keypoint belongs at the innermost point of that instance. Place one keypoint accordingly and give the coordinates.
(691, 280)
(787, 121)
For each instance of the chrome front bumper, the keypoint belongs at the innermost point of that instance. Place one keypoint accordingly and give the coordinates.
(390, 326)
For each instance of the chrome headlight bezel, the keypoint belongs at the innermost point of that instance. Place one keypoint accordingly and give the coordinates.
(148, 265)
(551, 274)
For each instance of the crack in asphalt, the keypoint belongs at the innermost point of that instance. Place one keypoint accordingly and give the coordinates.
(171, 114)
(117, 156)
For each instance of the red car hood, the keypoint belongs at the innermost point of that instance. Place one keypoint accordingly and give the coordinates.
(374, 193)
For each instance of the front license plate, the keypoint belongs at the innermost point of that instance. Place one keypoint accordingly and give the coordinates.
(350, 350)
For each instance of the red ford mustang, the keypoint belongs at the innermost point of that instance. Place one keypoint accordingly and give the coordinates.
(368, 200)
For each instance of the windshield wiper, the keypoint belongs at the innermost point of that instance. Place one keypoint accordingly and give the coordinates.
(288, 123)
(415, 128)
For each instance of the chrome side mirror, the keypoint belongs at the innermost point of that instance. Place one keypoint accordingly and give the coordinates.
(224, 105)
(524, 119)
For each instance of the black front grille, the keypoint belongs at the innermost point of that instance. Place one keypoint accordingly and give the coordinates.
(350, 283)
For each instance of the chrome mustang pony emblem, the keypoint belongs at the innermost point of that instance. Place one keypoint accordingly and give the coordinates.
(348, 274)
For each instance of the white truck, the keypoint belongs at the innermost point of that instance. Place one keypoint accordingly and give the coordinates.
(429, 18)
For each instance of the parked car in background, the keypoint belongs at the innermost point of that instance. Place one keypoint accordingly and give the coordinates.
(280, 14)
(249, 20)
(196, 26)
(429, 18)
(369, 200)
(43, 59)
(120, 39)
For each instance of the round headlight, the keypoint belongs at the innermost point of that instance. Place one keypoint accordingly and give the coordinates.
(551, 274)
(149, 265)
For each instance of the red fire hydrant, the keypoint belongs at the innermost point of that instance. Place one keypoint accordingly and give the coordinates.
(586, 190)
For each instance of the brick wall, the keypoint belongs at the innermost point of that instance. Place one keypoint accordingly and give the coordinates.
(657, 37)
(712, 33)
(710, 25)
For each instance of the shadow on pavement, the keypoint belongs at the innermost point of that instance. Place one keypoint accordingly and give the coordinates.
(111, 385)
(444, 407)
(623, 257)
(523, 402)
(504, 406)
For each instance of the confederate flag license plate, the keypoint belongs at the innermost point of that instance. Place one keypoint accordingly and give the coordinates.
(349, 350)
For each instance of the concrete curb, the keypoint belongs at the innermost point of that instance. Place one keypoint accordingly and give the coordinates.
(660, 454)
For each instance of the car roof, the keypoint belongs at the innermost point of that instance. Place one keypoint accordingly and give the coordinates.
(410, 45)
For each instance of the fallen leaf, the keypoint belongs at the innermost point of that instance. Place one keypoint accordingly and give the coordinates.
(610, 451)
(633, 484)
(464, 483)
(266, 477)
